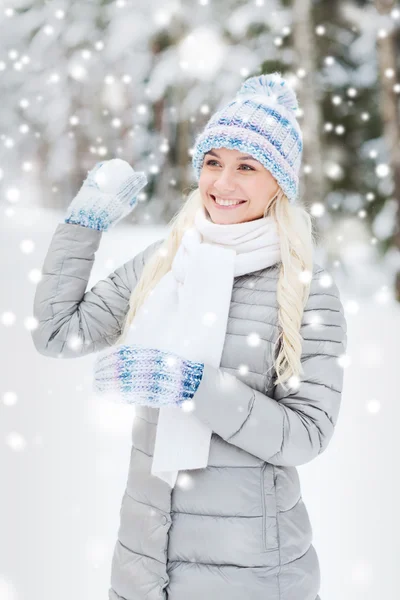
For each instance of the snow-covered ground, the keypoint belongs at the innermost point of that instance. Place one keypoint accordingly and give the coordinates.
(64, 457)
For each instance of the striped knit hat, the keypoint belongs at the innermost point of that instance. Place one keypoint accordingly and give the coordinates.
(261, 121)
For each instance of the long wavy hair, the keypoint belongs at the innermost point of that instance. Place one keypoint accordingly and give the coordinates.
(297, 247)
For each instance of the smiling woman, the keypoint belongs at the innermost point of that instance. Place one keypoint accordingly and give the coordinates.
(232, 190)
(235, 294)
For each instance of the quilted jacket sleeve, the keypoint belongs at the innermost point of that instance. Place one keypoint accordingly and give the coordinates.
(73, 322)
(297, 424)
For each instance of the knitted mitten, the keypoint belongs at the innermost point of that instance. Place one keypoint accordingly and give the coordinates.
(148, 376)
(107, 195)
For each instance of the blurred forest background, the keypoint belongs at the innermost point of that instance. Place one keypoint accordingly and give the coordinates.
(86, 81)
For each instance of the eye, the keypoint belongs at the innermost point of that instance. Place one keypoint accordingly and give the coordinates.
(242, 165)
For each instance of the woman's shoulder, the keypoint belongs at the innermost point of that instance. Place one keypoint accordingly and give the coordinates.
(151, 248)
(144, 255)
(322, 281)
(323, 287)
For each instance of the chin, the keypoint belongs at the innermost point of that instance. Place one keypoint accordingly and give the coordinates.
(217, 217)
(221, 218)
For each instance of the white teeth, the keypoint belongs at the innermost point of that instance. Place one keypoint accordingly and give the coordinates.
(226, 202)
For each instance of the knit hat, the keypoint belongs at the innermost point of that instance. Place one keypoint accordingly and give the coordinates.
(260, 121)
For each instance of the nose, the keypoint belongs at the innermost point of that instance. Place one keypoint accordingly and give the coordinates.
(224, 182)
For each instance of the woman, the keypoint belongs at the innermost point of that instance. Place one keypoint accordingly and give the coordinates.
(232, 361)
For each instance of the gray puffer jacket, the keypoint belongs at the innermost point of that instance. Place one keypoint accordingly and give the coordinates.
(238, 529)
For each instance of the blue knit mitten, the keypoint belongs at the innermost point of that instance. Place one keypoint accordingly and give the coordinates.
(107, 195)
(136, 375)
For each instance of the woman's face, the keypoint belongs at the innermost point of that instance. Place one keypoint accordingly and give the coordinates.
(225, 174)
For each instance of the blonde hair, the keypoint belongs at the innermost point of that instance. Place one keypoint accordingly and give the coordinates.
(296, 241)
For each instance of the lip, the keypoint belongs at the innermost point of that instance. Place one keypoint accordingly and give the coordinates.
(226, 207)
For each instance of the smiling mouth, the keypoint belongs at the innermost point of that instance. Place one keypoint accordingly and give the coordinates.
(226, 205)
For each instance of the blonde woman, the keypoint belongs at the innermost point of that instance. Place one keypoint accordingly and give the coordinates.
(227, 340)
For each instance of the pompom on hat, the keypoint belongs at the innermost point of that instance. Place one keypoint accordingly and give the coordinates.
(261, 121)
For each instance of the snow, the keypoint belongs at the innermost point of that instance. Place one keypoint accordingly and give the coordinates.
(65, 455)
(82, 91)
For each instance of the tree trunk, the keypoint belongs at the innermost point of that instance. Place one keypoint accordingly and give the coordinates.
(182, 140)
(303, 39)
(386, 48)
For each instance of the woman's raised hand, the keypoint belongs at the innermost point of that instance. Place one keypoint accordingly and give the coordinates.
(108, 194)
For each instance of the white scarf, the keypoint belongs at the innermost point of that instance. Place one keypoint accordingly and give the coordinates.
(187, 313)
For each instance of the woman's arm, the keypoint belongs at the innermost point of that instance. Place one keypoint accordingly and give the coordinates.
(291, 428)
(71, 321)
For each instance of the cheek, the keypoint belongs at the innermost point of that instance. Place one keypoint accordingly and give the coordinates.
(204, 182)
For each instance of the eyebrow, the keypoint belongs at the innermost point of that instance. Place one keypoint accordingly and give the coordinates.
(244, 157)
